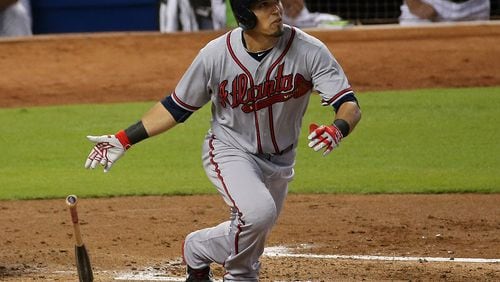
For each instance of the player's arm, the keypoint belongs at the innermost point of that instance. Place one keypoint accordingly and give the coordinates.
(109, 148)
(157, 120)
(332, 85)
(161, 117)
(350, 113)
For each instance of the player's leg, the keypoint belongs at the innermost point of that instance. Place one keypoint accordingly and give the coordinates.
(238, 243)
(278, 172)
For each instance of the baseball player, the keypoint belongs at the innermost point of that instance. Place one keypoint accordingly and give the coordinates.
(258, 79)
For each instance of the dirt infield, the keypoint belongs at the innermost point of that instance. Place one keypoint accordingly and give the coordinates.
(139, 238)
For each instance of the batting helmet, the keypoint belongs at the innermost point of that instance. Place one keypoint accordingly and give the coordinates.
(245, 17)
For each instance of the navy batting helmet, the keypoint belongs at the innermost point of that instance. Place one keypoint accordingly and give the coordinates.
(241, 10)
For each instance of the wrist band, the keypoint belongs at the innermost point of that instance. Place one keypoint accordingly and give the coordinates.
(136, 133)
(343, 126)
(122, 137)
(132, 135)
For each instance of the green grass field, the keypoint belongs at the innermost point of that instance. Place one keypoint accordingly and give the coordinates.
(426, 141)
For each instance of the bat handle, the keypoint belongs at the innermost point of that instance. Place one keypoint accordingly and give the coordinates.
(71, 201)
(74, 215)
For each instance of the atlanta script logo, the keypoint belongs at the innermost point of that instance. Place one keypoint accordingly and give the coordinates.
(256, 97)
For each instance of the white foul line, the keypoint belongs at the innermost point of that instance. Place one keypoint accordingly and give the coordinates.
(281, 251)
(385, 258)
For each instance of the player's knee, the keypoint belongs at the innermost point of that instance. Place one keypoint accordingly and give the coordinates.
(261, 219)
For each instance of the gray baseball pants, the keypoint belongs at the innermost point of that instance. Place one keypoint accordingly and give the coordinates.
(254, 187)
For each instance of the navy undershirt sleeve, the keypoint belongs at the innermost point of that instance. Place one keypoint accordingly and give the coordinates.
(346, 98)
(180, 114)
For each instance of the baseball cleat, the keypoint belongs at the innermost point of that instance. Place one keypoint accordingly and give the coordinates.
(199, 275)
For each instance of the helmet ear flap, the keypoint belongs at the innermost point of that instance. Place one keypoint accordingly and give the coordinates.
(243, 14)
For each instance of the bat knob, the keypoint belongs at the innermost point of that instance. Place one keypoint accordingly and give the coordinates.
(71, 200)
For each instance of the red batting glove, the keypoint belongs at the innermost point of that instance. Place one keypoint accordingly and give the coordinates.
(324, 136)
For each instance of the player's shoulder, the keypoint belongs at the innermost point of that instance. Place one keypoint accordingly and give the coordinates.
(216, 43)
(303, 37)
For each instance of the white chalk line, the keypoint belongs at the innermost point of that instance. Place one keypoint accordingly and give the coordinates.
(282, 251)
(386, 258)
(140, 277)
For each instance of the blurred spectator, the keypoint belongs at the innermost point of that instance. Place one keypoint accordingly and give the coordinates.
(192, 15)
(15, 18)
(428, 11)
(297, 14)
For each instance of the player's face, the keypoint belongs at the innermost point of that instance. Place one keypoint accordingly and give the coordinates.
(269, 17)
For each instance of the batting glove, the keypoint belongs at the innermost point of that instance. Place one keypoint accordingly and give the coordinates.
(324, 136)
(107, 150)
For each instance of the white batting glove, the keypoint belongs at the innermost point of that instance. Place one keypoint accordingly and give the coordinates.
(324, 136)
(106, 151)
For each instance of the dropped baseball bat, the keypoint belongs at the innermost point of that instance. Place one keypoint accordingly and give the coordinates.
(82, 258)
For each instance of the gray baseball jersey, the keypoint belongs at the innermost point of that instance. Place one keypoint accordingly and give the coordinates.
(249, 153)
(258, 106)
